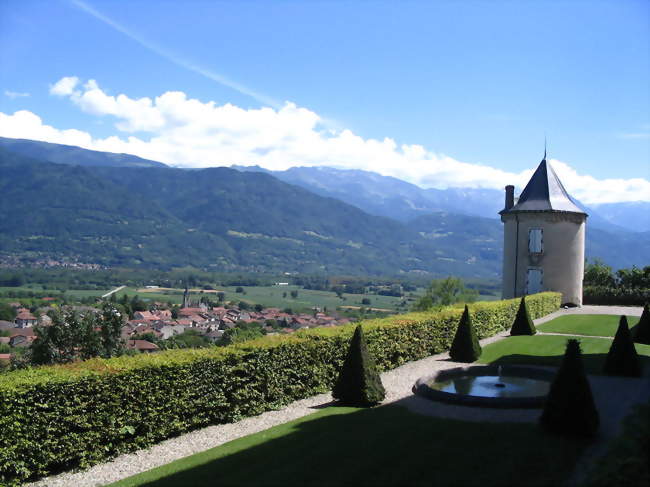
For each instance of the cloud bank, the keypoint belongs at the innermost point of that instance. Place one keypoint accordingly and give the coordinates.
(15, 94)
(185, 132)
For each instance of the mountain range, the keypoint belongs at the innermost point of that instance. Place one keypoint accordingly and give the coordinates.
(121, 210)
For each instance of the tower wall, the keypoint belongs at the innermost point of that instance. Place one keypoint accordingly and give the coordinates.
(561, 260)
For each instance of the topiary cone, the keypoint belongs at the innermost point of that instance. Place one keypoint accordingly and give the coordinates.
(465, 347)
(523, 324)
(622, 358)
(569, 407)
(359, 383)
(642, 328)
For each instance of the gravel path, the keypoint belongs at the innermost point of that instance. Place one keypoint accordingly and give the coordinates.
(397, 382)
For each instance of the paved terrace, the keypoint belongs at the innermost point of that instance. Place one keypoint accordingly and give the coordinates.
(398, 383)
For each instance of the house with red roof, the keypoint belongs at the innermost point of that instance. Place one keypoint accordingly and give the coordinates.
(25, 319)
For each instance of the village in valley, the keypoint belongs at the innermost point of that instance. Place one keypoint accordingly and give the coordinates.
(145, 331)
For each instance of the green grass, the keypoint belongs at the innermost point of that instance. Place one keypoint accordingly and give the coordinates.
(382, 446)
(594, 325)
(549, 349)
(274, 296)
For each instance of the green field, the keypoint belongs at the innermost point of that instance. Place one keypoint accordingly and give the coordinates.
(549, 350)
(386, 445)
(267, 296)
(278, 297)
(591, 325)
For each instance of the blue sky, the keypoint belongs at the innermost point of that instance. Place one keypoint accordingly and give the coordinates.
(479, 83)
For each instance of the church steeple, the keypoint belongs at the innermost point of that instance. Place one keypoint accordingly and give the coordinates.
(186, 297)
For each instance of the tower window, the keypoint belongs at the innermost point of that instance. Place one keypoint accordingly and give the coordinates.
(535, 241)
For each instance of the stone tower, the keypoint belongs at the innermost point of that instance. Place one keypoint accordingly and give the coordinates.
(543, 239)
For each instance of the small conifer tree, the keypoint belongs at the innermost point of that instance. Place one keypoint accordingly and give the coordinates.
(359, 383)
(465, 347)
(569, 408)
(523, 324)
(642, 329)
(622, 358)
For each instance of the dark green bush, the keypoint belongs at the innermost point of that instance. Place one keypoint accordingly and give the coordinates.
(642, 329)
(64, 416)
(569, 408)
(465, 347)
(622, 358)
(359, 383)
(610, 296)
(523, 324)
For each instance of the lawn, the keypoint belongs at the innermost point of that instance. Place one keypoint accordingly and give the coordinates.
(549, 349)
(387, 445)
(594, 325)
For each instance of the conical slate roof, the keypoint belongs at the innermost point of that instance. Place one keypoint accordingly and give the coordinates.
(544, 192)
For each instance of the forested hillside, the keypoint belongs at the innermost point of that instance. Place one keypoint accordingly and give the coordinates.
(224, 220)
(217, 218)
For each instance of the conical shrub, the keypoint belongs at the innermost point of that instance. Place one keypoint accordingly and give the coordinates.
(642, 329)
(569, 408)
(465, 347)
(359, 383)
(622, 358)
(523, 324)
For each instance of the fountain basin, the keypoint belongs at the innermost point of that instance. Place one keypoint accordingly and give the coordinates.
(506, 386)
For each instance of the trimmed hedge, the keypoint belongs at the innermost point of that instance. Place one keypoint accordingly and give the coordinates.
(602, 295)
(465, 346)
(359, 383)
(58, 417)
(622, 358)
(523, 324)
(569, 408)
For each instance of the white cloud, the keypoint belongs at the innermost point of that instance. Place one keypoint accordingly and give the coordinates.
(15, 94)
(65, 86)
(635, 135)
(186, 132)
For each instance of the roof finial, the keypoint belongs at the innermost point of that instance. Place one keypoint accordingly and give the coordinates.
(544, 146)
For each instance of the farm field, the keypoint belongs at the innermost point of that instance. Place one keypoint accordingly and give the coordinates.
(267, 296)
(277, 297)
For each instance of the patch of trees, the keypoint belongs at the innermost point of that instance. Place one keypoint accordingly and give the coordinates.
(242, 332)
(624, 287)
(7, 313)
(444, 292)
(75, 336)
(11, 279)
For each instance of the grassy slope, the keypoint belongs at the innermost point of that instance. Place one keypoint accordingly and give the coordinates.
(549, 349)
(381, 446)
(594, 325)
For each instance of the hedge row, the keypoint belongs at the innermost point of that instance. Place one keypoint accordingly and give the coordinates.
(59, 417)
(604, 295)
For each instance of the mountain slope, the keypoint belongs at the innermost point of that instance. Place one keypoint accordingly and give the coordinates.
(483, 238)
(217, 218)
(634, 216)
(68, 154)
(388, 196)
(224, 219)
(394, 198)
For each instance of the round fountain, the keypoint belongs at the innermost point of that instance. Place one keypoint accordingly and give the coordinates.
(502, 386)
